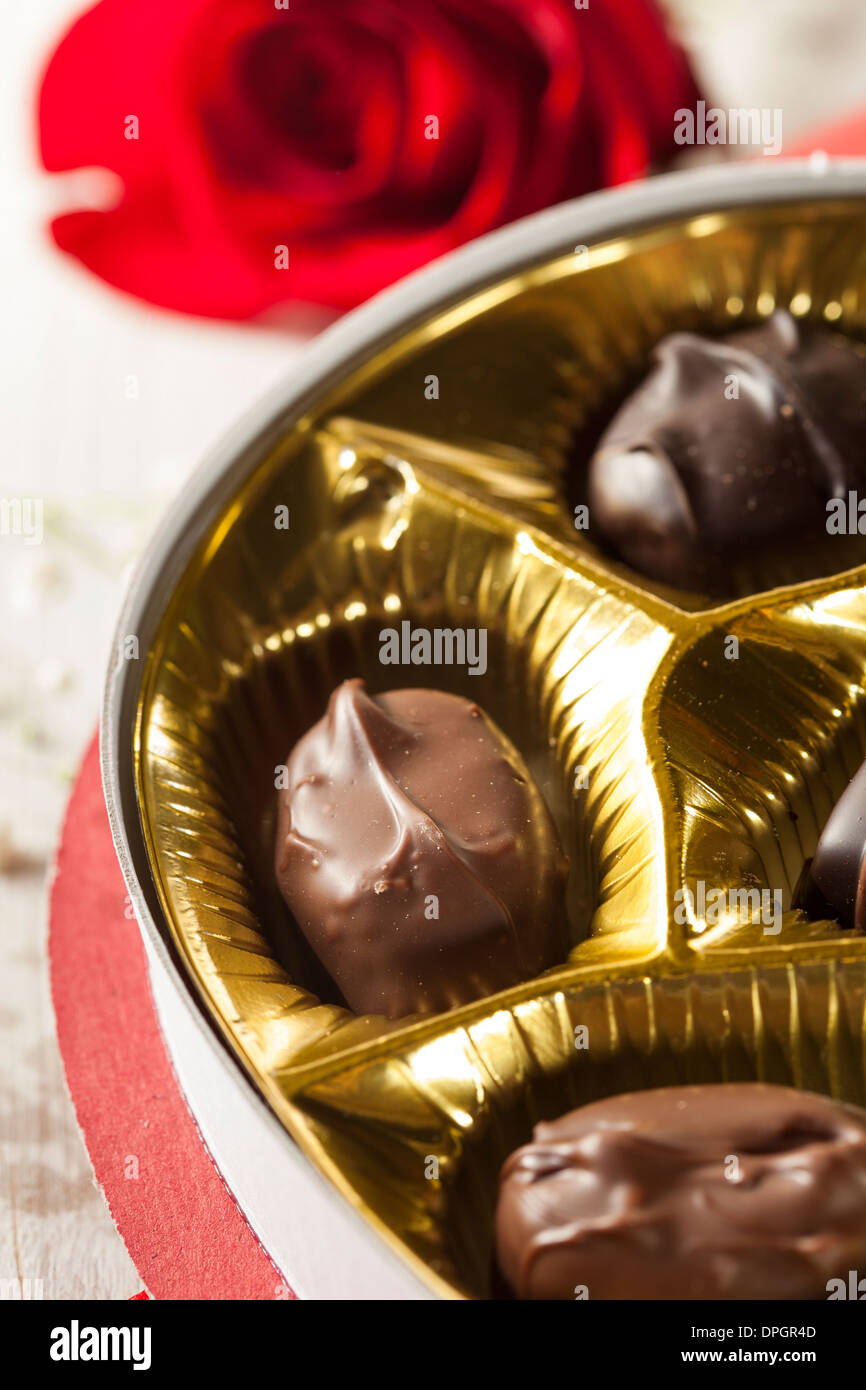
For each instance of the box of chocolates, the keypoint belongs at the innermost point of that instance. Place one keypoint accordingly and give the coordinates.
(477, 748)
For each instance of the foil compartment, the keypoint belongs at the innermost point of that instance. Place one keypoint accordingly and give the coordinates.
(456, 511)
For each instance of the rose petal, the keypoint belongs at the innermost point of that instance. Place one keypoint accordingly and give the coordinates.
(535, 100)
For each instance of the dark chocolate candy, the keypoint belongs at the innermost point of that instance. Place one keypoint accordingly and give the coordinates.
(687, 474)
(417, 854)
(835, 881)
(732, 1191)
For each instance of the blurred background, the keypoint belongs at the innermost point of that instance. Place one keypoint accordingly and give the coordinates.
(107, 405)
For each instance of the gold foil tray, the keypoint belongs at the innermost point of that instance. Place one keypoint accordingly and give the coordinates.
(432, 485)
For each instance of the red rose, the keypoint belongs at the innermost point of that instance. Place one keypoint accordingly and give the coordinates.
(239, 127)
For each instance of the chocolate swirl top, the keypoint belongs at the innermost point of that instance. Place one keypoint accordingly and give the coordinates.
(731, 1191)
(728, 443)
(416, 853)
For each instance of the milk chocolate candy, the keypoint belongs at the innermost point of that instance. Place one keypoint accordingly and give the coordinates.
(734, 1191)
(834, 884)
(417, 854)
(729, 444)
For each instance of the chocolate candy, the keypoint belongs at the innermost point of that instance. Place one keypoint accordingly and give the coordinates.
(731, 1191)
(417, 854)
(834, 884)
(729, 444)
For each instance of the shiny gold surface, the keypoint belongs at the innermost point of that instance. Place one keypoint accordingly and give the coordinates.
(457, 511)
